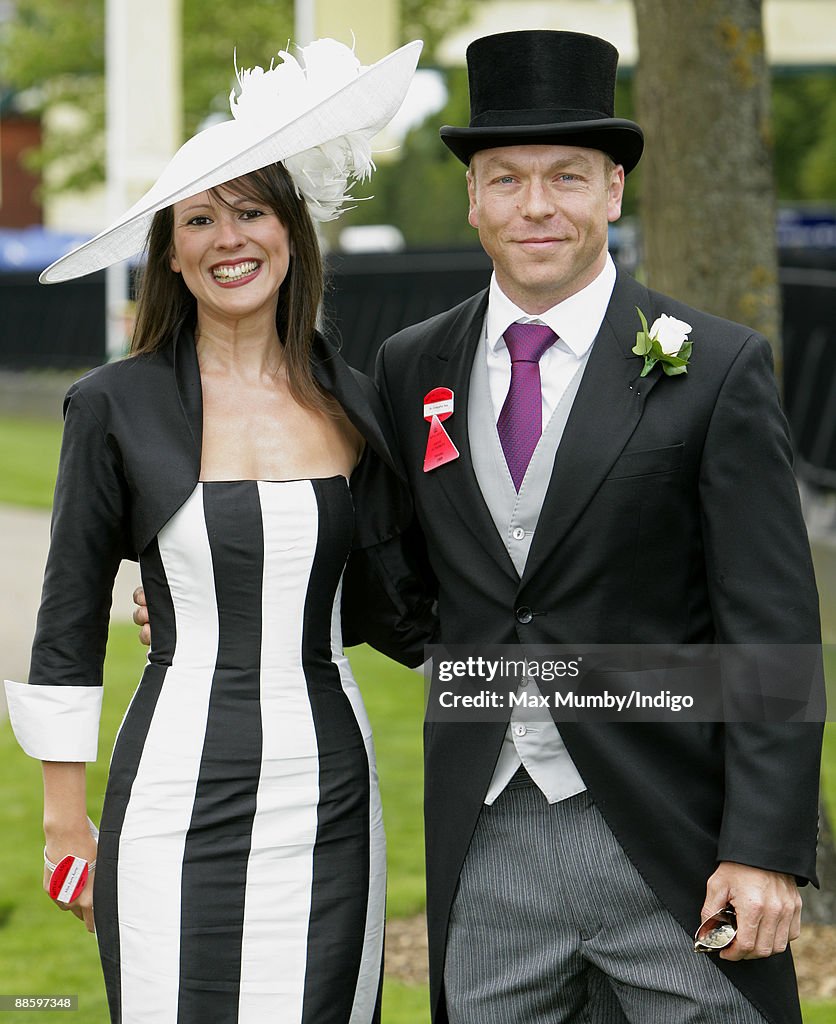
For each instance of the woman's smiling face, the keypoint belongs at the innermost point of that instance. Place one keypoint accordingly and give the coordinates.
(232, 251)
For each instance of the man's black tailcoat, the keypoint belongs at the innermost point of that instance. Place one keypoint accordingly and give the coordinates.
(672, 516)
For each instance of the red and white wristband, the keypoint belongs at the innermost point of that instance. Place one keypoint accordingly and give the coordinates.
(70, 874)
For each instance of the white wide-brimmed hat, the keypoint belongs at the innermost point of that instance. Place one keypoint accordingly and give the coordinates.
(317, 115)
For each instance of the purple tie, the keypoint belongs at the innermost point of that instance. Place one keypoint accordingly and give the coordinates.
(520, 423)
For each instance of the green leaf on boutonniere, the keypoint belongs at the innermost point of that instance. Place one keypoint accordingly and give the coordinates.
(643, 342)
(650, 347)
(643, 319)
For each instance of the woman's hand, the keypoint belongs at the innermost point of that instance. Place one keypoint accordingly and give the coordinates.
(67, 829)
(77, 843)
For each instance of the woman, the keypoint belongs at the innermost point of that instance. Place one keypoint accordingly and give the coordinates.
(240, 869)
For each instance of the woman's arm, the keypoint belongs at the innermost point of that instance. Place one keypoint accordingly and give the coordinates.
(55, 716)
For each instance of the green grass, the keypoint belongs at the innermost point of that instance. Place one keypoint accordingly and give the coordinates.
(29, 460)
(828, 762)
(828, 771)
(394, 698)
(409, 1004)
(819, 1013)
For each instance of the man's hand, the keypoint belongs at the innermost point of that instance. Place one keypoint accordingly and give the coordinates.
(767, 904)
(141, 617)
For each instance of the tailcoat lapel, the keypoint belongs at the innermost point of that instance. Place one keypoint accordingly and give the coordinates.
(606, 411)
(450, 366)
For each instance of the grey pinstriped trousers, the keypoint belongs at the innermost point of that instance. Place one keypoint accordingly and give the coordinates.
(550, 921)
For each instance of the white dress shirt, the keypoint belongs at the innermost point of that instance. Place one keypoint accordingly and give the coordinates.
(576, 321)
(530, 740)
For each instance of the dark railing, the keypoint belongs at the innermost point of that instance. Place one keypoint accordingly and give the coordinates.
(61, 328)
(371, 296)
(809, 303)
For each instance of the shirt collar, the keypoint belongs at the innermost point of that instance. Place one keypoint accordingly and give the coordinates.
(576, 320)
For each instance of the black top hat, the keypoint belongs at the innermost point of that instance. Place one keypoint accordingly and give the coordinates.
(540, 87)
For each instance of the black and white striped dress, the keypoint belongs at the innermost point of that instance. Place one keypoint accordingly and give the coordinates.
(241, 863)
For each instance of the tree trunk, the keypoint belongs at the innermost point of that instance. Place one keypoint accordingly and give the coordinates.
(820, 904)
(707, 194)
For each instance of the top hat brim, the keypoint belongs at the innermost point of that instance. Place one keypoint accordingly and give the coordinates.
(233, 148)
(620, 139)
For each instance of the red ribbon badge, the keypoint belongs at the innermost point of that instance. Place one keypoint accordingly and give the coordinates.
(68, 878)
(438, 406)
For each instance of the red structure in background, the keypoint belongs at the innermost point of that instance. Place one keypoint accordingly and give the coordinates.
(19, 206)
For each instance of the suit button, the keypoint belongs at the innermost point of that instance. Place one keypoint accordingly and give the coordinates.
(518, 533)
(524, 614)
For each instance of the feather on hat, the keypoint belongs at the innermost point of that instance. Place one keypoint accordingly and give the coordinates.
(316, 115)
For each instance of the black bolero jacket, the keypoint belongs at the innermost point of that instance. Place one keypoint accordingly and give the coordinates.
(130, 457)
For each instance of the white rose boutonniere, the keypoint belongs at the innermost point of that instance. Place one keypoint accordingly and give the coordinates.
(666, 342)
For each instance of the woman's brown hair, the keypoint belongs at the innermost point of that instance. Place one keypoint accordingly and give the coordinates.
(164, 302)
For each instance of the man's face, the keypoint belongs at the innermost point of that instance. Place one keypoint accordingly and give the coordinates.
(542, 214)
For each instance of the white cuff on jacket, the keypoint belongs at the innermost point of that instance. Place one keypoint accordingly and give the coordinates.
(56, 723)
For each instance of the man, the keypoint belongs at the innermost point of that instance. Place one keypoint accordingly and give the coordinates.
(567, 868)
(651, 510)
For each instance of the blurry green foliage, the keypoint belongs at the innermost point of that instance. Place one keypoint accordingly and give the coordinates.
(423, 192)
(54, 52)
(804, 130)
(432, 20)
